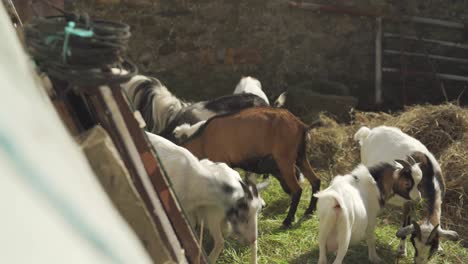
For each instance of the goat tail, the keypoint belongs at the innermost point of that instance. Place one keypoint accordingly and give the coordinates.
(330, 205)
(185, 131)
(281, 100)
(329, 198)
(304, 144)
(133, 85)
(362, 134)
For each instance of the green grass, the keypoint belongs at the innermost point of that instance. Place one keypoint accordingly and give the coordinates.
(298, 244)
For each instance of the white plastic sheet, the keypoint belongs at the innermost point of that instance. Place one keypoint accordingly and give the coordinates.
(52, 209)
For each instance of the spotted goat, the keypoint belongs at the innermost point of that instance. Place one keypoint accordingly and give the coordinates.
(383, 144)
(163, 111)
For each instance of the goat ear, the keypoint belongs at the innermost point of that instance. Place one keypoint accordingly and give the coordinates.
(281, 100)
(448, 234)
(434, 234)
(263, 185)
(417, 230)
(405, 231)
(250, 177)
(248, 193)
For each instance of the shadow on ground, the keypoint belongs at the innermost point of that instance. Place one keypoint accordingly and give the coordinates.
(356, 254)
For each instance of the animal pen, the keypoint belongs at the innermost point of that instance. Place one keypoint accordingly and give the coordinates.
(131, 174)
(87, 163)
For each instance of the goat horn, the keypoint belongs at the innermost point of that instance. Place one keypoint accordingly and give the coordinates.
(248, 193)
(253, 187)
(417, 229)
(411, 159)
(434, 233)
(404, 163)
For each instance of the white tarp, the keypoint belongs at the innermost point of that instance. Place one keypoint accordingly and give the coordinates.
(52, 209)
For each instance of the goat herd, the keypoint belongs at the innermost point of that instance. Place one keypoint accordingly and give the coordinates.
(199, 144)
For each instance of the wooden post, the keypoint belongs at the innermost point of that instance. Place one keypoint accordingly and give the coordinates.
(111, 119)
(159, 182)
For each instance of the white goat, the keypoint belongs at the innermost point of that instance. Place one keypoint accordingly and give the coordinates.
(211, 192)
(251, 85)
(384, 144)
(348, 208)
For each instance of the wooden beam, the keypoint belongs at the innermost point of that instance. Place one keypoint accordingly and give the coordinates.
(378, 61)
(159, 182)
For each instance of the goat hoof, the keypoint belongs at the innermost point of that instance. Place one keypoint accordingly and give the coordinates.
(322, 261)
(401, 252)
(309, 212)
(287, 223)
(375, 259)
(401, 249)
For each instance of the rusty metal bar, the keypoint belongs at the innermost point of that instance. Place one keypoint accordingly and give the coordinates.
(416, 54)
(444, 76)
(436, 22)
(433, 41)
(334, 9)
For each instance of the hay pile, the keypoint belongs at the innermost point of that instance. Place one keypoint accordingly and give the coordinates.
(437, 127)
(443, 129)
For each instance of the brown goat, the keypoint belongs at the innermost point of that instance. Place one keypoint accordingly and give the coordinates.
(261, 140)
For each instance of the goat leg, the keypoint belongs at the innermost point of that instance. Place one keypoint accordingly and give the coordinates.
(370, 233)
(253, 249)
(314, 181)
(295, 198)
(406, 221)
(217, 234)
(313, 199)
(344, 239)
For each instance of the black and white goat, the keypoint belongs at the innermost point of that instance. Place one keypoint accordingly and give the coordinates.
(163, 111)
(384, 144)
(348, 208)
(212, 193)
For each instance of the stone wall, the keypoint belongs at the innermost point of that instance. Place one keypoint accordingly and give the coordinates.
(201, 48)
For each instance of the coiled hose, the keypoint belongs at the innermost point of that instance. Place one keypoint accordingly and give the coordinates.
(81, 51)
